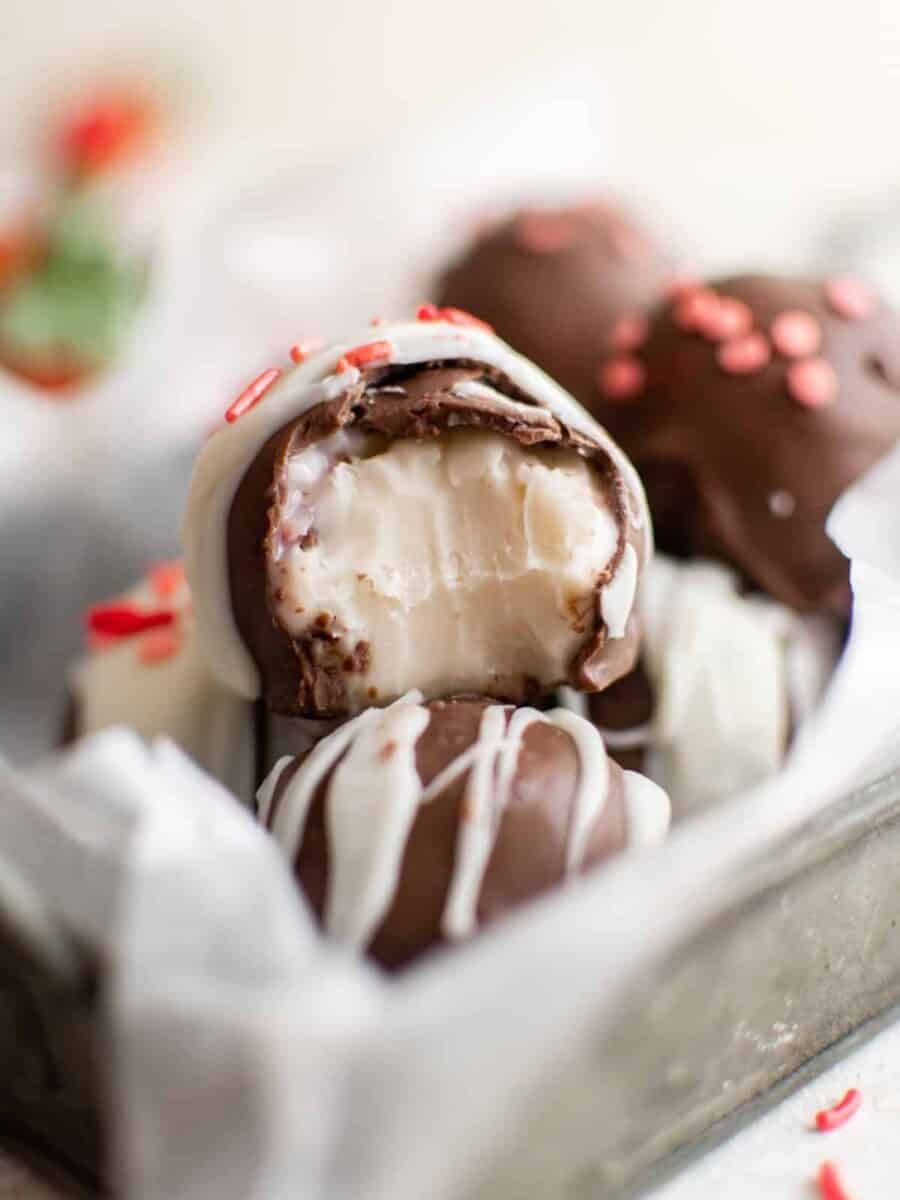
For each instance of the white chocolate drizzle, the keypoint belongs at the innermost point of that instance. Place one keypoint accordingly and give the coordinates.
(477, 828)
(375, 792)
(634, 738)
(617, 598)
(646, 810)
(593, 782)
(368, 825)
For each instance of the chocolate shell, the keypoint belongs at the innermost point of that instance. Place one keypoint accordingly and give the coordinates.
(416, 825)
(762, 399)
(562, 286)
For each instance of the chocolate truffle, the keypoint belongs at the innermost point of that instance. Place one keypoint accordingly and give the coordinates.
(762, 399)
(424, 510)
(416, 824)
(564, 287)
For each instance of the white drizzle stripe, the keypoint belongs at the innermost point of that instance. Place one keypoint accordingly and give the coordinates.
(452, 771)
(225, 458)
(266, 792)
(520, 721)
(647, 811)
(290, 819)
(373, 798)
(627, 739)
(576, 702)
(593, 782)
(477, 829)
(617, 598)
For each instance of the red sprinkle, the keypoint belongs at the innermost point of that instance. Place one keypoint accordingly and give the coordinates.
(301, 351)
(628, 333)
(678, 285)
(795, 333)
(830, 1184)
(695, 308)
(744, 355)
(729, 318)
(251, 395)
(124, 620)
(628, 243)
(544, 232)
(621, 378)
(839, 1114)
(453, 316)
(158, 645)
(812, 382)
(100, 641)
(363, 356)
(849, 298)
(166, 578)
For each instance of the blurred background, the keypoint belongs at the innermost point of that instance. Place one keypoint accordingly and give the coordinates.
(188, 188)
(750, 126)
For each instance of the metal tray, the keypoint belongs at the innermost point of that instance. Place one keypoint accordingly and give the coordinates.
(801, 961)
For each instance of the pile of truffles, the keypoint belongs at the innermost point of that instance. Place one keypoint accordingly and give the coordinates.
(421, 618)
(413, 541)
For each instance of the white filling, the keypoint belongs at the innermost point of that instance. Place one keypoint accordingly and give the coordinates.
(449, 554)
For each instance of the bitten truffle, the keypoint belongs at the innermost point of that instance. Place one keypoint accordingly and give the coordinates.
(423, 510)
(565, 287)
(761, 400)
(417, 824)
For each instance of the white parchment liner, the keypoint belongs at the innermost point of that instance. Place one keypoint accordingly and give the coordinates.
(249, 1059)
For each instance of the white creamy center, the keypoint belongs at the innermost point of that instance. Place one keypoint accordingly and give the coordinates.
(447, 554)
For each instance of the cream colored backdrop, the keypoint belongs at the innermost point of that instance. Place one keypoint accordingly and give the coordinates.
(748, 124)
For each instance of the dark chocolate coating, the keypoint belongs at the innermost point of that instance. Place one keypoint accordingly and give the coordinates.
(558, 306)
(305, 676)
(713, 448)
(529, 853)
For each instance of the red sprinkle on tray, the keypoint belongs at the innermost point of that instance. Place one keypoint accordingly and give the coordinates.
(125, 620)
(252, 394)
(830, 1185)
(839, 1114)
(453, 316)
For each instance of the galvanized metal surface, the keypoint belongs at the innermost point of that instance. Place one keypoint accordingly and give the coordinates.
(802, 953)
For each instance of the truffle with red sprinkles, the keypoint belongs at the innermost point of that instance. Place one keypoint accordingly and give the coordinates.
(420, 509)
(143, 669)
(749, 407)
(565, 287)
